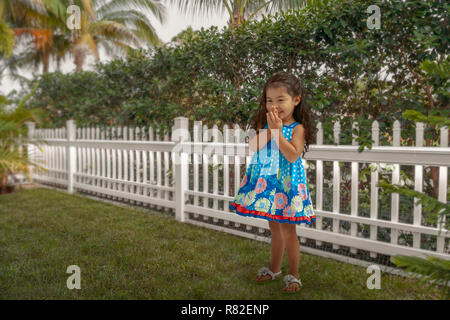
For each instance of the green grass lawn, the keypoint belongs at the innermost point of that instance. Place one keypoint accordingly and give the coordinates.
(126, 253)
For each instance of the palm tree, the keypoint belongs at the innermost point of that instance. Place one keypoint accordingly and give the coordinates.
(239, 10)
(116, 25)
(34, 20)
(14, 139)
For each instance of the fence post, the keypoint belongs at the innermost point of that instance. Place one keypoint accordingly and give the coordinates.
(442, 191)
(71, 154)
(418, 186)
(373, 185)
(319, 182)
(180, 133)
(336, 183)
(31, 130)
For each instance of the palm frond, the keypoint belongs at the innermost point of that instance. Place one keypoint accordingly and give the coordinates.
(199, 7)
(112, 30)
(431, 269)
(138, 23)
(416, 116)
(6, 39)
(156, 7)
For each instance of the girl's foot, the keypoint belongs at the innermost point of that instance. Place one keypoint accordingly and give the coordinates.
(265, 277)
(292, 287)
(293, 283)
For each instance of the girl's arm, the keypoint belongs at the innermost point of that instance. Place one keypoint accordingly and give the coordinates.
(260, 140)
(292, 150)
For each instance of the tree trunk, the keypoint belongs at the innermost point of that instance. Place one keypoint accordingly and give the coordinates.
(3, 182)
(45, 61)
(79, 59)
(237, 17)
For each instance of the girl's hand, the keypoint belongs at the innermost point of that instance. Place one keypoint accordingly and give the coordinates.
(273, 121)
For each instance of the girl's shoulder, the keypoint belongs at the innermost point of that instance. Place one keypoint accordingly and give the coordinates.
(295, 124)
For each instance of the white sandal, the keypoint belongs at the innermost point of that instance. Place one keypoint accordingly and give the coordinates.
(265, 270)
(288, 279)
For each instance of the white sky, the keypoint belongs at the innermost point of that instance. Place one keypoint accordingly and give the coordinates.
(175, 23)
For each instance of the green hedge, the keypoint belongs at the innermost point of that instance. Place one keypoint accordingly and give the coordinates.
(217, 75)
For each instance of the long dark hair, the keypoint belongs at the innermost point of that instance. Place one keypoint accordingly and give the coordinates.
(302, 112)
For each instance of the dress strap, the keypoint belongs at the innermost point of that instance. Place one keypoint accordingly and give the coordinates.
(294, 124)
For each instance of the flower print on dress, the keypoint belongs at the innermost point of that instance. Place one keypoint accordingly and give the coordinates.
(309, 211)
(252, 175)
(272, 196)
(287, 183)
(262, 205)
(272, 193)
(303, 191)
(250, 198)
(244, 181)
(280, 200)
(288, 211)
(239, 199)
(297, 203)
(261, 185)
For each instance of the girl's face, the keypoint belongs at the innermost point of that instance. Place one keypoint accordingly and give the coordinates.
(279, 98)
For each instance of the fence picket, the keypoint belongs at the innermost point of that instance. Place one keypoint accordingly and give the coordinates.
(144, 165)
(442, 190)
(418, 186)
(158, 169)
(237, 163)
(216, 138)
(374, 189)
(197, 137)
(354, 189)
(152, 163)
(206, 136)
(167, 168)
(319, 182)
(132, 163)
(114, 161)
(336, 183)
(97, 159)
(138, 161)
(395, 197)
(226, 169)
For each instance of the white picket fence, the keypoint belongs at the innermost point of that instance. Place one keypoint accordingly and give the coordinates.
(130, 163)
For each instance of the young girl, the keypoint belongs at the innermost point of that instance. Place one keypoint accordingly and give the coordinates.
(274, 186)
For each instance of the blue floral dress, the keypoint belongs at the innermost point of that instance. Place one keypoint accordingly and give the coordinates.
(274, 188)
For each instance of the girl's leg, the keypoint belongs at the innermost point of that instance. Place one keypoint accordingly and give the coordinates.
(277, 246)
(293, 251)
(277, 250)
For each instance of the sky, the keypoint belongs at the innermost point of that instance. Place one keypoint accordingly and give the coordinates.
(175, 23)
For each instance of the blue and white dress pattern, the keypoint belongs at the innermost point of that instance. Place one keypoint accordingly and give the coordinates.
(274, 188)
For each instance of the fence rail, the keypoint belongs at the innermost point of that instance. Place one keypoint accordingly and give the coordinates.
(140, 165)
